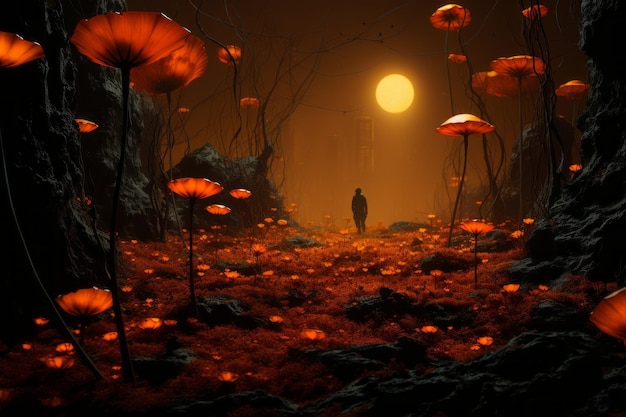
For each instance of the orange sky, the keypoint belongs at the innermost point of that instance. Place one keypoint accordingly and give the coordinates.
(367, 40)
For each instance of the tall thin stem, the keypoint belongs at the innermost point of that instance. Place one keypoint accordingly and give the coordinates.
(520, 147)
(476, 259)
(458, 193)
(127, 365)
(192, 289)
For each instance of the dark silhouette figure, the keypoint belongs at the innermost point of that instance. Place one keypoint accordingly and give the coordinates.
(359, 210)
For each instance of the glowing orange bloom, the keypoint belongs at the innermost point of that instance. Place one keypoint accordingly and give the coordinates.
(174, 71)
(110, 336)
(485, 340)
(217, 209)
(535, 11)
(227, 376)
(476, 227)
(195, 188)
(86, 302)
(572, 90)
(150, 323)
(59, 362)
(609, 315)
(457, 58)
(65, 347)
(15, 51)
(451, 17)
(464, 124)
(313, 334)
(85, 126)
(575, 167)
(229, 54)
(519, 66)
(429, 329)
(240, 193)
(128, 39)
(503, 85)
(249, 102)
(510, 287)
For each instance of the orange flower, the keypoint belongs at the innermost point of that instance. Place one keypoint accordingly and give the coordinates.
(15, 51)
(451, 17)
(240, 193)
(219, 209)
(457, 58)
(230, 54)
(194, 187)
(86, 302)
(476, 227)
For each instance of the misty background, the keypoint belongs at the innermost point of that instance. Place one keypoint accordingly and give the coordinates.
(338, 138)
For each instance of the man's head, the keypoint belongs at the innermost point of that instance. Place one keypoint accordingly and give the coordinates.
(358, 191)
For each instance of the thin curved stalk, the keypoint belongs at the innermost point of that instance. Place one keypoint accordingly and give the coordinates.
(448, 72)
(57, 314)
(127, 364)
(520, 147)
(475, 259)
(192, 287)
(458, 193)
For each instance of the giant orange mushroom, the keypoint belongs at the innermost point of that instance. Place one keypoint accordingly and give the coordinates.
(574, 91)
(463, 124)
(218, 209)
(193, 189)
(84, 303)
(16, 51)
(519, 67)
(125, 40)
(229, 54)
(476, 227)
(450, 17)
(170, 73)
(609, 316)
(174, 71)
(85, 126)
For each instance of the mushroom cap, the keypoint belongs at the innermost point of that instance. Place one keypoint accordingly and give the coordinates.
(15, 51)
(190, 187)
(85, 126)
(500, 85)
(229, 54)
(217, 209)
(451, 17)
(609, 315)
(572, 90)
(128, 39)
(464, 124)
(519, 66)
(476, 227)
(86, 301)
(174, 71)
(240, 193)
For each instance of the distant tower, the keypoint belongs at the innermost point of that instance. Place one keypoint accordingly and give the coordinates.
(365, 147)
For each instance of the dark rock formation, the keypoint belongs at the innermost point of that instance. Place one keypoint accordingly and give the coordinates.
(583, 233)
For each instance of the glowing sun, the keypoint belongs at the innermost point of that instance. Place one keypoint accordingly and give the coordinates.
(395, 93)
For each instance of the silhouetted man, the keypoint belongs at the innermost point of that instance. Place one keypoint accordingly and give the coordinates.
(359, 210)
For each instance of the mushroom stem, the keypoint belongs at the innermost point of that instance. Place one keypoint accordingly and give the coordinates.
(458, 193)
(127, 365)
(192, 289)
